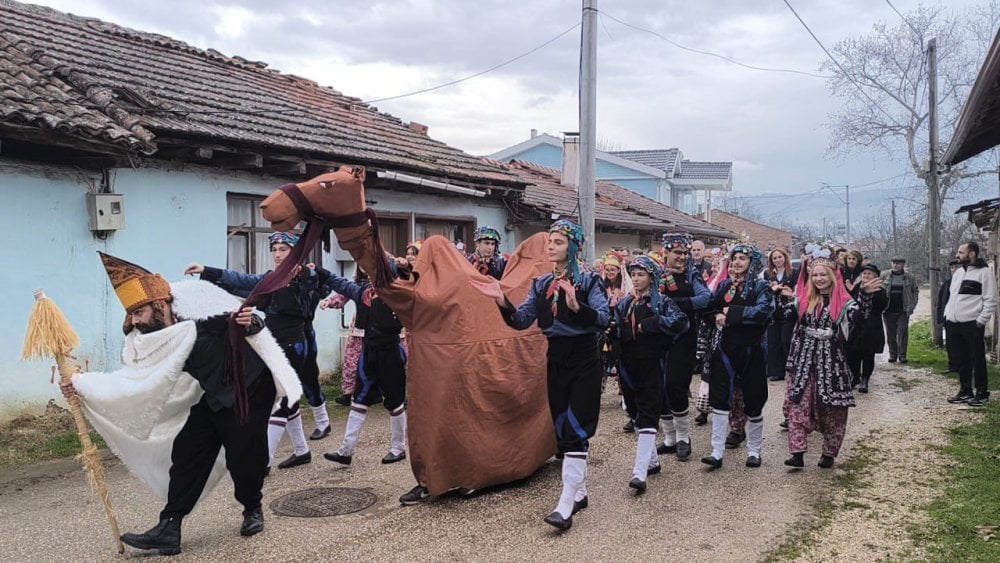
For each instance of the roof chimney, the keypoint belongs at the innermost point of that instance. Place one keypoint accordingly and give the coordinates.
(571, 160)
(534, 133)
(418, 127)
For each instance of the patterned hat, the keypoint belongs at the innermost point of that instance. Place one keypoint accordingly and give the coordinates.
(288, 238)
(612, 259)
(645, 263)
(574, 233)
(658, 257)
(486, 233)
(417, 244)
(134, 285)
(678, 240)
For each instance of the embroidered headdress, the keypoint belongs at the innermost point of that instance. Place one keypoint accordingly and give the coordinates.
(677, 240)
(486, 233)
(282, 238)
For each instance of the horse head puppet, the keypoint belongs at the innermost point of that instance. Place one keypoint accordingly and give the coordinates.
(326, 198)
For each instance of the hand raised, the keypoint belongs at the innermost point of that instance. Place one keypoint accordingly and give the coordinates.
(193, 269)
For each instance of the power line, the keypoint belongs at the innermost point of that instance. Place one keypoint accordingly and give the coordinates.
(847, 75)
(711, 54)
(915, 32)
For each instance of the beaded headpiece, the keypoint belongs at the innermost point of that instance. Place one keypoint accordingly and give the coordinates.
(282, 238)
(486, 233)
(677, 240)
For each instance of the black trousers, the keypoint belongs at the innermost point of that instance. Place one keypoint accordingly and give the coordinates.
(779, 340)
(646, 374)
(679, 370)
(970, 348)
(382, 376)
(738, 366)
(952, 347)
(196, 448)
(861, 365)
(574, 385)
(897, 333)
(627, 385)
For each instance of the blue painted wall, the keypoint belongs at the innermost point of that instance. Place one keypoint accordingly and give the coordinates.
(551, 156)
(174, 216)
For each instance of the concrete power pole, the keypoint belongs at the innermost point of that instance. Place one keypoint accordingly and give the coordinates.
(933, 193)
(895, 245)
(588, 126)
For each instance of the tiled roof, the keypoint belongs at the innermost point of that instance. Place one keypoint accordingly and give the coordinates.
(692, 170)
(664, 159)
(100, 82)
(616, 206)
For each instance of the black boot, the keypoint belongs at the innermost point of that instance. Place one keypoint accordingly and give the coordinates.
(253, 522)
(165, 537)
(796, 460)
(863, 388)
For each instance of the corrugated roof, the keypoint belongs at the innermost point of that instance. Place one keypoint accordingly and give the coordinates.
(616, 206)
(664, 159)
(694, 170)
(101, 82)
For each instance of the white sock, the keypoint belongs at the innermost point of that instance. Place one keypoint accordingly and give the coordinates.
(397, 424)
(297, 434)
(720, 427)
(355, 421)
(581, 493)
(321, 417)
(654, 460)
(682, 424)
(669, 432)
(275, 430)
(645, 443)
(755, 436)
(574, 475)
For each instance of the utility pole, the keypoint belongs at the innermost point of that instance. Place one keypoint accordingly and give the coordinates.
(846, 200)
(588, 126)
(895, 245)
(933, 194)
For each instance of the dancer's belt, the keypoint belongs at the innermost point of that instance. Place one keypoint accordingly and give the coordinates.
(820, 333)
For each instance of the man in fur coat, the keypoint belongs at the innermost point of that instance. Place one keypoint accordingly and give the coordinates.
(169, 410)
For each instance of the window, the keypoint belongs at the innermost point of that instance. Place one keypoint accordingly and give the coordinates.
(247, 233)
(455, 230)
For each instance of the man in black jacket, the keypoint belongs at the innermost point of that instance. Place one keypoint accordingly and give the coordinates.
(942, 300)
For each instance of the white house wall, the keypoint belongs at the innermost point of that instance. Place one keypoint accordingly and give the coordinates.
(173, 217)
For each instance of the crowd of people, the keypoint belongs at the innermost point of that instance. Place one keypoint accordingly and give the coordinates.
(737, 317)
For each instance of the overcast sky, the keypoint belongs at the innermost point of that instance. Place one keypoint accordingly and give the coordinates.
(650, 94)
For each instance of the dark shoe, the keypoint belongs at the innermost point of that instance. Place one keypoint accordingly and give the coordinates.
(580, 505)
(253, 523)
(653, 470)
(701, 419)
(393, 458)
(904, 361)
(295, 460)
(629, 427)
(825, 461)
(415, 495)
(683, 450)
(892, 360)
(712, 461)
(559, 456)
(753, 461)
(267, 471)
(796, 460)
(979, 401)
(339, 458)
(637, 484)
(784, 424)
(962, 397)
(734, 439)
(165, 537)
(776, 378)
(863, 388)
(558, 522)
(663, 449)
(343, 400)
(320, 434)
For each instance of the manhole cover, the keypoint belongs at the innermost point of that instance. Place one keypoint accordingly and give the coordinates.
(317, 503)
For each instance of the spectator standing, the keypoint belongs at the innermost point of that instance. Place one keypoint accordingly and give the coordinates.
(903, 295)
(943, 293)
(971, 304)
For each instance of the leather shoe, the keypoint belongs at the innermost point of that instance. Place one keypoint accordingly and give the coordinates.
(343, 400)
(253, 522)
(629, 427)
(558, 522)
(580, 505)
(653, 470)
(795, 461)
(712, 461)
(734, 439)
(701, 419)
(294, 460)
(339, 457)
(683, 450)
(393, 458)
(776, 378)
(662, 449)
(638, 484)
(320, 434)
(825, 461)
(165, 537)
(753, 461)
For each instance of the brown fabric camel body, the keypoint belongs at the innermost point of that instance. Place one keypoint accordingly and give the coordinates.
(476, 389)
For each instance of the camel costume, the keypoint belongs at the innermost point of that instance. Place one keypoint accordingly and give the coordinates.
(478, 413)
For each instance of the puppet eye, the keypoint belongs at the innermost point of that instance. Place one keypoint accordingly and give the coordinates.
(327, 185)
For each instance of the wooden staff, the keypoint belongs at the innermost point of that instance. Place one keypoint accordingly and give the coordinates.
(49, 335)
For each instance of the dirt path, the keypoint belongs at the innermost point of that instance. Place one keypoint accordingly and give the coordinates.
(734, 514)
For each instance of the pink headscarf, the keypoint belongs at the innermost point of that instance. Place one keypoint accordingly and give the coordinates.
(839, 297)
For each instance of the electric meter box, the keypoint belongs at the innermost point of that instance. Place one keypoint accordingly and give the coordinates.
(107, 211)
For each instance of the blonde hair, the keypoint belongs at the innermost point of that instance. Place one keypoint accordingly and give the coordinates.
(814, 297)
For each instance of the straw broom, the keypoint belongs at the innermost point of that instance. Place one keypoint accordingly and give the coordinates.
(49, 335)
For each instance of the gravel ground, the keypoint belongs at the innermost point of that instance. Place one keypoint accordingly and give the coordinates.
(733, 514)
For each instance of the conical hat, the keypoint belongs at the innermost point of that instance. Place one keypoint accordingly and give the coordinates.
(134, 285)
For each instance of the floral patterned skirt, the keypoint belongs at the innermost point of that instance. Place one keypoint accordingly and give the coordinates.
(809, 415)
(352, 354)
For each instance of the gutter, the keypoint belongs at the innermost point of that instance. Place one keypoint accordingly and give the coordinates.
(423, 182)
